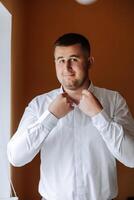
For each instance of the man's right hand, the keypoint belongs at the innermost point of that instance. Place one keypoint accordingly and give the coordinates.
(61, 105)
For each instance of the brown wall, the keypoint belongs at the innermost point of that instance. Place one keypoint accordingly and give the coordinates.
(36, 25)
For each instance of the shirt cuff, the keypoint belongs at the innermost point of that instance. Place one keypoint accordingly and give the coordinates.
(101, 120)
(45, 124)
(48, 120)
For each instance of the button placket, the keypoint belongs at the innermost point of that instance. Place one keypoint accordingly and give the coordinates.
(77, 157)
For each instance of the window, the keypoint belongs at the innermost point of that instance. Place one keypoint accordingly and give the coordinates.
(5, 86)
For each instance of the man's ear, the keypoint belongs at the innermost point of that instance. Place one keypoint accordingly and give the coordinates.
(91, 60)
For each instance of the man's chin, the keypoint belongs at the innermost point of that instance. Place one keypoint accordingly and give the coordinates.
(70, 87)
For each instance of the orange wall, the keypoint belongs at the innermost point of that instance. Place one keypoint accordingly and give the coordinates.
(36, 25)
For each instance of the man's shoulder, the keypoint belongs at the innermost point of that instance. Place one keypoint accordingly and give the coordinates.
(105, 90)
(105, 93)
(51, 94)
(41, 98)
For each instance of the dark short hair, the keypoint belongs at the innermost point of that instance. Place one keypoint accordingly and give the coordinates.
(71, 39)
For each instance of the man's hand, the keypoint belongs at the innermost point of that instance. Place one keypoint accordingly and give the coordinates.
(61, 105)
(89, 104)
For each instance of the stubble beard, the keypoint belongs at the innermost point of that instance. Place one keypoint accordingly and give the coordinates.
(73, 84)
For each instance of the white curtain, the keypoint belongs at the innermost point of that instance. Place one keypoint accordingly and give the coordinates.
(5, 85)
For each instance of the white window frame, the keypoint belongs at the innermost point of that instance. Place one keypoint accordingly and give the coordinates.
(5, 98)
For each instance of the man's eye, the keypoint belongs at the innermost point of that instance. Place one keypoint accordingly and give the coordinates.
(61, 61)
(74, 59)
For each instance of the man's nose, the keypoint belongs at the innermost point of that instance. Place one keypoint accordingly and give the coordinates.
(68, 65)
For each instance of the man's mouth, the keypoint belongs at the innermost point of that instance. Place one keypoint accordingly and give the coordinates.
(69, 74)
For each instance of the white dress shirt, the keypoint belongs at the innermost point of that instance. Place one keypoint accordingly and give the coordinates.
(78, 152)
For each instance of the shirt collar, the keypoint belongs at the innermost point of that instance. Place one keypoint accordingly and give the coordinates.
(91, 87)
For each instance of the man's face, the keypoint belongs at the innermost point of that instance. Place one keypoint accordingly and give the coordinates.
(72, 64)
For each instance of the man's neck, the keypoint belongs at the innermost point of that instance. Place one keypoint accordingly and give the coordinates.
(76, 94)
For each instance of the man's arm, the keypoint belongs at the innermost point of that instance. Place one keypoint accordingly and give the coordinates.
(32, 131)
(27, 141)
(118, 133)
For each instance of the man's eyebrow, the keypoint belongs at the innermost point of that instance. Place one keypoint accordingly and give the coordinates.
(59, 57)
(73, 55)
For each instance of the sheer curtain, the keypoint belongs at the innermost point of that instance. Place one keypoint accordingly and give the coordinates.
(5, 93)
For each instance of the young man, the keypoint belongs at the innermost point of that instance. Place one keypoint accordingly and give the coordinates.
(80, 130)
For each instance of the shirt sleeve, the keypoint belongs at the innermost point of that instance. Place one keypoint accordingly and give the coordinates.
(118, 132)
(28, 139)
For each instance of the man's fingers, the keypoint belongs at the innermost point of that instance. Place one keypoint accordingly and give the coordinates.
(86, 93)
(68, 98)
(64, 94)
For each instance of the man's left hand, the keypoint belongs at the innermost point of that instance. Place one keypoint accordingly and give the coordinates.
(89, 104)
